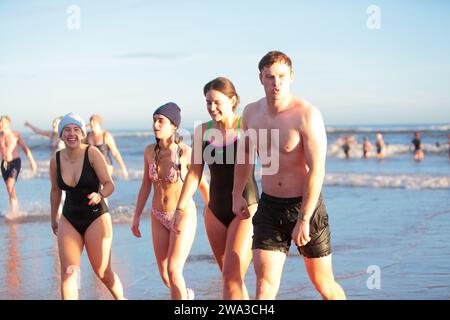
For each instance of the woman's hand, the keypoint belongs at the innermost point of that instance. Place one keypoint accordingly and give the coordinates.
(95, 198)
(176, 221)
(135, 226)
(55, 224)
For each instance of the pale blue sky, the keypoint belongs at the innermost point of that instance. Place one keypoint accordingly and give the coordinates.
(131, 56)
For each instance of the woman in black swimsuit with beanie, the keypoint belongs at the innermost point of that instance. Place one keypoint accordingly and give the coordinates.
(215, 143)
(85, 221)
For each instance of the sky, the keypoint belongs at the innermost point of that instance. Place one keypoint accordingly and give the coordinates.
(124, 58)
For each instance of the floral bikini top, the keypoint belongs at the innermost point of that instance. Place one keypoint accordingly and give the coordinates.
(174, 172)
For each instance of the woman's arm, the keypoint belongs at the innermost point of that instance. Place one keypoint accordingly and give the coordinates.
(98, 162)
(111, 143)
(144, 192)
(193, 177)
(38, 131)
(55, 195)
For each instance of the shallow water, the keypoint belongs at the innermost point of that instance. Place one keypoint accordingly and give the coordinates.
(391, 215)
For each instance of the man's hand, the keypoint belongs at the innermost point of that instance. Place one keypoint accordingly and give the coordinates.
(300, 234)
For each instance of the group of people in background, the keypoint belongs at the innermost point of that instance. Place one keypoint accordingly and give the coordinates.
(416, 146)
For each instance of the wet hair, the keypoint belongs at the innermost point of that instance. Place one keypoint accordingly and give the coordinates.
(224, 86)
(97, 118)
(273, 57)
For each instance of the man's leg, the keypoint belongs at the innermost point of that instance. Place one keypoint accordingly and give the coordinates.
(268, 268)
(10, 183)
(320, 271)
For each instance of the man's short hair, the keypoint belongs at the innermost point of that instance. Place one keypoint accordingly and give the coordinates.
(273, 57)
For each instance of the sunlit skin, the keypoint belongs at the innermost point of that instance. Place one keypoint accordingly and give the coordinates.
(98, 237)
(10, 141)
(171, 247)
(231, 245)
(302, 152)
(98, 136)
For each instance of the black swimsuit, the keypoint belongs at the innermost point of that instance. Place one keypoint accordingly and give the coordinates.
(416, 143)
(222, 179)
(104, 149)
(76, 209)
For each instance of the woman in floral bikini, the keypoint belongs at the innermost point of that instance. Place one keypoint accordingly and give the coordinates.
(165, 163)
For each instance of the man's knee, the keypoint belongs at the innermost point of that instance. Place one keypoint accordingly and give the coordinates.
(326, 286)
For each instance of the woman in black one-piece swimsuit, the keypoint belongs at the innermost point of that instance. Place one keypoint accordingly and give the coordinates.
(229, 236)
(80, 170)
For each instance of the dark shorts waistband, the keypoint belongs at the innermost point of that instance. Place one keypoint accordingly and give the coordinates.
(267, 197)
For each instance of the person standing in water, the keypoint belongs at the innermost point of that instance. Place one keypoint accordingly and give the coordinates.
(215, 143)
(417, 145)
(11, 164)
(165, 163)
(55, 143)
(104, 141)
(367, 146)
(291, 205)
(85, 222)
(380, 145)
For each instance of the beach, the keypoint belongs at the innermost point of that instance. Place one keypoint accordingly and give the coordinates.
(391, 216)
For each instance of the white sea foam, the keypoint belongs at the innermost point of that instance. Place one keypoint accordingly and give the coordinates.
(414, 182)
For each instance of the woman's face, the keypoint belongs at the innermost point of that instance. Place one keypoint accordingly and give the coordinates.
(72, 135)
(95, 125)
(220, 107)
(162, 127)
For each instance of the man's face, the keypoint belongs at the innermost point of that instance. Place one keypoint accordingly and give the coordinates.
(4, 124)
(277, 80)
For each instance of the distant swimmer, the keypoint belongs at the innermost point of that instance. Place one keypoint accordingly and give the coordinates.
(448, 145)
(85, 222)
(55, 143)
(380, 145)
(11, 163)
(416, 143)
(367, 146)
(347, 142)
(104, 141)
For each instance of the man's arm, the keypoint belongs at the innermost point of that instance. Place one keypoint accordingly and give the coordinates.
(243, 165)
(27, 152)
(315, 148)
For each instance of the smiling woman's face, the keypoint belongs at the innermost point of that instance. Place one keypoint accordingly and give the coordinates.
(72, 136)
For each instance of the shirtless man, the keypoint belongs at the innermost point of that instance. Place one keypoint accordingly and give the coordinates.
(291, 205)
(11, 163)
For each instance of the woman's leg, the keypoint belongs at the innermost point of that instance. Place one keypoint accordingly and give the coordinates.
(70, 247)
(217, 236)
(238, 255)
(98, 240)
(161, 238)
(179, 247)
